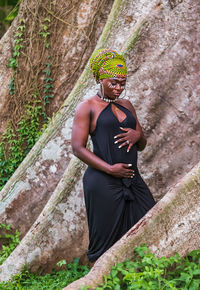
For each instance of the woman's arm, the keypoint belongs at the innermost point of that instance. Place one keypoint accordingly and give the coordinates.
(80, 132)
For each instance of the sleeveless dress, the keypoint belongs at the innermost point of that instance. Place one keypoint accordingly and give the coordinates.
(113, 204)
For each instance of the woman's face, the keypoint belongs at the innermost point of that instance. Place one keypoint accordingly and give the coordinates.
(113, 87)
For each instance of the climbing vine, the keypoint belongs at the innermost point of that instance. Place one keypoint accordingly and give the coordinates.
(13, 63)
(36, 62)
(17, 140)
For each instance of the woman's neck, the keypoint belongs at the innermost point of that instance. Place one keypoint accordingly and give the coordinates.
(106, 99)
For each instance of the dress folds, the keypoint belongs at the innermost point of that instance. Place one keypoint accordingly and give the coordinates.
(113, 205)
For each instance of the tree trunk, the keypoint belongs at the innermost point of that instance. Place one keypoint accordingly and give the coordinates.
(40, 173)
(73, 30)
(160, 41)
(58, 230)
(171, 226)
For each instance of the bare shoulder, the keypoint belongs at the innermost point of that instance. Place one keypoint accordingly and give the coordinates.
(85, 107)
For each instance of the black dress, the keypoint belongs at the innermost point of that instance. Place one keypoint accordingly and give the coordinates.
(113, 205)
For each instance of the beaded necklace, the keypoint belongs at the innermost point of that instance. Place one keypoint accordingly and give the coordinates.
(107, 99)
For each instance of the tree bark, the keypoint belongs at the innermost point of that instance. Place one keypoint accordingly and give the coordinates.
(58, 230)
(161, 46)
(74, 28)
(40, 173)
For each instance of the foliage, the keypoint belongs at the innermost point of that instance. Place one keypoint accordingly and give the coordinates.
(10, 242)
(151, 273)
(8, 11)
(146, 272)
(27, 280)
(8, 6)
(55, 280)
(19, 143)
(18, 140)
(48, 86)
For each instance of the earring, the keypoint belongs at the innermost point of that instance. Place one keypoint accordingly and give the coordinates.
(102, 89)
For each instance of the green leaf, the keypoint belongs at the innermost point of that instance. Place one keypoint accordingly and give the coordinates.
(47, 19)
(61, 262)
(45, 27)
(21, 28)
(47, 71)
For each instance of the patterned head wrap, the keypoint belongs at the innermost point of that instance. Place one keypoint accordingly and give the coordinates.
(107, 63)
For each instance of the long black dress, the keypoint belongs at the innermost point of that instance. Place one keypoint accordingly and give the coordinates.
(113, 205)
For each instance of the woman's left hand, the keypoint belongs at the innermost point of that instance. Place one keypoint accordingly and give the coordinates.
(129, 138)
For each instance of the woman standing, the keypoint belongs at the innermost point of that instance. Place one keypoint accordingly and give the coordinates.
(116, 196)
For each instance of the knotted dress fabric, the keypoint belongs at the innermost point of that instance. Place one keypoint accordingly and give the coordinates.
(113, 204)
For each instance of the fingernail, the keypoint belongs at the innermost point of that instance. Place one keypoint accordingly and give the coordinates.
(127, 150)
(121, 128)
(129, 164)
(120, 146)
(115, 137)
(131, 176)
(116, 142)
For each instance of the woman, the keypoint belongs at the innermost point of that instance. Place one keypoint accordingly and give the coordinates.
(116, 196)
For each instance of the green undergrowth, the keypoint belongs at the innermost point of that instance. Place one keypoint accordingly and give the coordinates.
(8, 240)
(151, 273)
(56, 280)
(145, 272)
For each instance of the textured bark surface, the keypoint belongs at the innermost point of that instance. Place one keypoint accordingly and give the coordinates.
(161, 44)
(57, 232)
(39, 176)
(172, 225)
(75, 27)
(60, 126)
(164, 83)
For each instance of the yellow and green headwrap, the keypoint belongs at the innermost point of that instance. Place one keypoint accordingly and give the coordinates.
(107, 63)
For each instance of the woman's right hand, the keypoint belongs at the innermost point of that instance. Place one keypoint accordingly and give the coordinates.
(121, 170)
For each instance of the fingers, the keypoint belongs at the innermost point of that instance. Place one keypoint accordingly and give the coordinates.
(124, 129)
(123, 137)
(120, 135)
(127, 165)
(123, 170)
(123, 144)
(120, 140)
(129, 147)
(126, 142)
(123, 134)
(129, 172)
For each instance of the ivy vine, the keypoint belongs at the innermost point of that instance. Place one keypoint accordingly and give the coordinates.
(18, 140)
